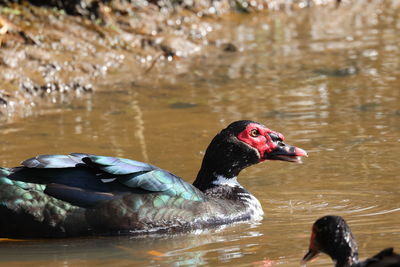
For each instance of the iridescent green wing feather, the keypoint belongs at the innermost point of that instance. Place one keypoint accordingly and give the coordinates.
(84, 179)
(135, 174)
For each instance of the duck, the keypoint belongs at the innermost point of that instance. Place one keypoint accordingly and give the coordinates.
(332, 235)
(84, 194)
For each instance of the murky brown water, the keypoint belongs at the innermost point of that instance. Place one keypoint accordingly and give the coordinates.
(329, 80)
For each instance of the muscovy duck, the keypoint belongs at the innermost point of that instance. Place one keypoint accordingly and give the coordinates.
(81, 194)
(332, 235)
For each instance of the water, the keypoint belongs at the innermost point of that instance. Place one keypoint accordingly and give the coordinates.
(329, 80)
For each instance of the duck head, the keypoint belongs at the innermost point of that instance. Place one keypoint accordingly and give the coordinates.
(241, 144)
(332, 235)
(269, 144)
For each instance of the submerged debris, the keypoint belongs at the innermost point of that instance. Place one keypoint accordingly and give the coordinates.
(366, 107)
(182, 105)
(340, 72)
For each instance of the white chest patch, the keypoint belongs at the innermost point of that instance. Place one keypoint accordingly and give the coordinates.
(254, 205)
(250, 200)
(221, 180)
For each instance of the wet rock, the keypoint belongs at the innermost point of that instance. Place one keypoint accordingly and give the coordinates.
(176, 46)
(73, 7)
(3, 98)
(229, 47)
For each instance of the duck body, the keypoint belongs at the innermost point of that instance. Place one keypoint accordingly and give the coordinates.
(332, 235)
(83, 194)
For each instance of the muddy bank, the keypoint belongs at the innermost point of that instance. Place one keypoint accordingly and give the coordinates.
(67, 47)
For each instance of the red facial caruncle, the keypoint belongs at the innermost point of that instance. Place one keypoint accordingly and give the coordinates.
(269, 144)
(259, 137)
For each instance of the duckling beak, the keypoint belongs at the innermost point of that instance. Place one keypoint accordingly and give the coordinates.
(309, 256)
(286, 153)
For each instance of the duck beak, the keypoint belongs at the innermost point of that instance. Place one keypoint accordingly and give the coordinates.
(309, 256)
(286, 153)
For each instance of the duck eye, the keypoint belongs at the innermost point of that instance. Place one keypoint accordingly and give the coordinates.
(254, 133)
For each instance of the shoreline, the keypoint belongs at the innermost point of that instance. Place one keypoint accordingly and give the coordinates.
(46, 51)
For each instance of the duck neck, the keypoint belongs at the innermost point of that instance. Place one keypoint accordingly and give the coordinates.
(209, 178)
(225, 157)
(345, 262)
(345, 257)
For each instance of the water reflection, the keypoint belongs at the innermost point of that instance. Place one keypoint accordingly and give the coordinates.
(172, 250)
(328, 79)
